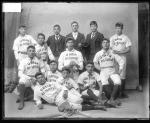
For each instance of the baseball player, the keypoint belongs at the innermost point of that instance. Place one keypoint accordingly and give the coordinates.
(104, 61)
(27, 69)
(121, 45)
(54, 93)
(69, 83)
(70, 56)
(53, 75)
(89, 82)
(21, 43)
(42, 48)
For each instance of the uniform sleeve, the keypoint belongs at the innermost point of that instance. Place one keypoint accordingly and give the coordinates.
(111, 42)
(15, 48)
(50, 54)
(80, 79)
(128, 42)
(80, 61)
(61, 61)
(120, 61)
(96, 58)
(34, 42)
(98, 79)
(21, 70)
(37, 96)
(75, 85)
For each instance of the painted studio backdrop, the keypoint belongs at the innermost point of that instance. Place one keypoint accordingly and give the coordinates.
(40, 17)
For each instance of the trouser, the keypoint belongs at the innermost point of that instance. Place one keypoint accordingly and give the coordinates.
(110, 91)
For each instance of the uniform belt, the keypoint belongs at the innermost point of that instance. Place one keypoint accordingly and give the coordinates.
(31, 75)
(107, 67)
(22, 52)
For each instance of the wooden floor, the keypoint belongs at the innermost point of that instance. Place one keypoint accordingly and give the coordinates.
(136, 106)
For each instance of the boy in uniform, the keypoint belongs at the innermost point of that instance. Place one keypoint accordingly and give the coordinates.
(21, 43)
(70, 56)
(104, 61)
(121, 45)
(27, 69)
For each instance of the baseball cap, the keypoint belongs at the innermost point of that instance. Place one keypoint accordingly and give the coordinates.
(66, 68)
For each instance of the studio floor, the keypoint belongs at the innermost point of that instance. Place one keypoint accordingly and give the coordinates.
(136, 106)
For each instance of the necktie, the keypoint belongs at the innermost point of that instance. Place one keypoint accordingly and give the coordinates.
(92, 35)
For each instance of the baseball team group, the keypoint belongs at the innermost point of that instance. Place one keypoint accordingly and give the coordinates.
(73, 72)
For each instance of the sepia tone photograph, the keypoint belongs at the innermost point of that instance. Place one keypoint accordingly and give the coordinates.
(76, 60)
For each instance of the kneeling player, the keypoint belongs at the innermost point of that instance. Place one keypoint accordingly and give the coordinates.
(104, 61)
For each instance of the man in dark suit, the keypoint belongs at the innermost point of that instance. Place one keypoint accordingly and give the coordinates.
(93, 41)
(56, 42)
(78, 37)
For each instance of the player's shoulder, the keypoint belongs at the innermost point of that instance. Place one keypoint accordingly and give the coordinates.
(113, 36)
(99, 52)
(83, 74)
(59, 73)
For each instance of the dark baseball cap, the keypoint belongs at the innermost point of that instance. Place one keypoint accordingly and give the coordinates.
(69, 39)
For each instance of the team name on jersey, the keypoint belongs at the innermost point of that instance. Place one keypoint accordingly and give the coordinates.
(106, 57)
(32, 65)
(25, 42)
(116, 43)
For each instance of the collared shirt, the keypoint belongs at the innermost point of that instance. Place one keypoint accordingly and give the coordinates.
(89, 79)
(107, 59)
(57, 37)
(68, 56)
(93, 35)
(119, 42)
(75, 35)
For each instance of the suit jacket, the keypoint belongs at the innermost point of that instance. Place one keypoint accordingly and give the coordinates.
(80, 39)
(56, 46)
(94, 45)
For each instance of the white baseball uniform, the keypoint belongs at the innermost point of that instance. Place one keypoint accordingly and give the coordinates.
(120, 43)
(42, 50)
(68, 56)
(20, 46)
(54, 77)
(70, 82)
(44, 67)
(27, 70)
(52, 92)
(87, 79)
(106, 61)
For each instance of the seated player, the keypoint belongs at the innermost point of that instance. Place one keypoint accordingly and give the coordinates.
(104, 61)
(89, 83)
(69, 83)
(71, 56)
(54, 93)
(53, 75)
(27, 70)
(42, 48)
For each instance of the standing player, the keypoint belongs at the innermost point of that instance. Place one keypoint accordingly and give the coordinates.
(56, 42)
(77, 36)
(93, 41)
(104, 61)
(121, 45)
(53, 75)
(89, 83)
(21, 43)
(28, 67)
(71, 56)
(42, 48)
